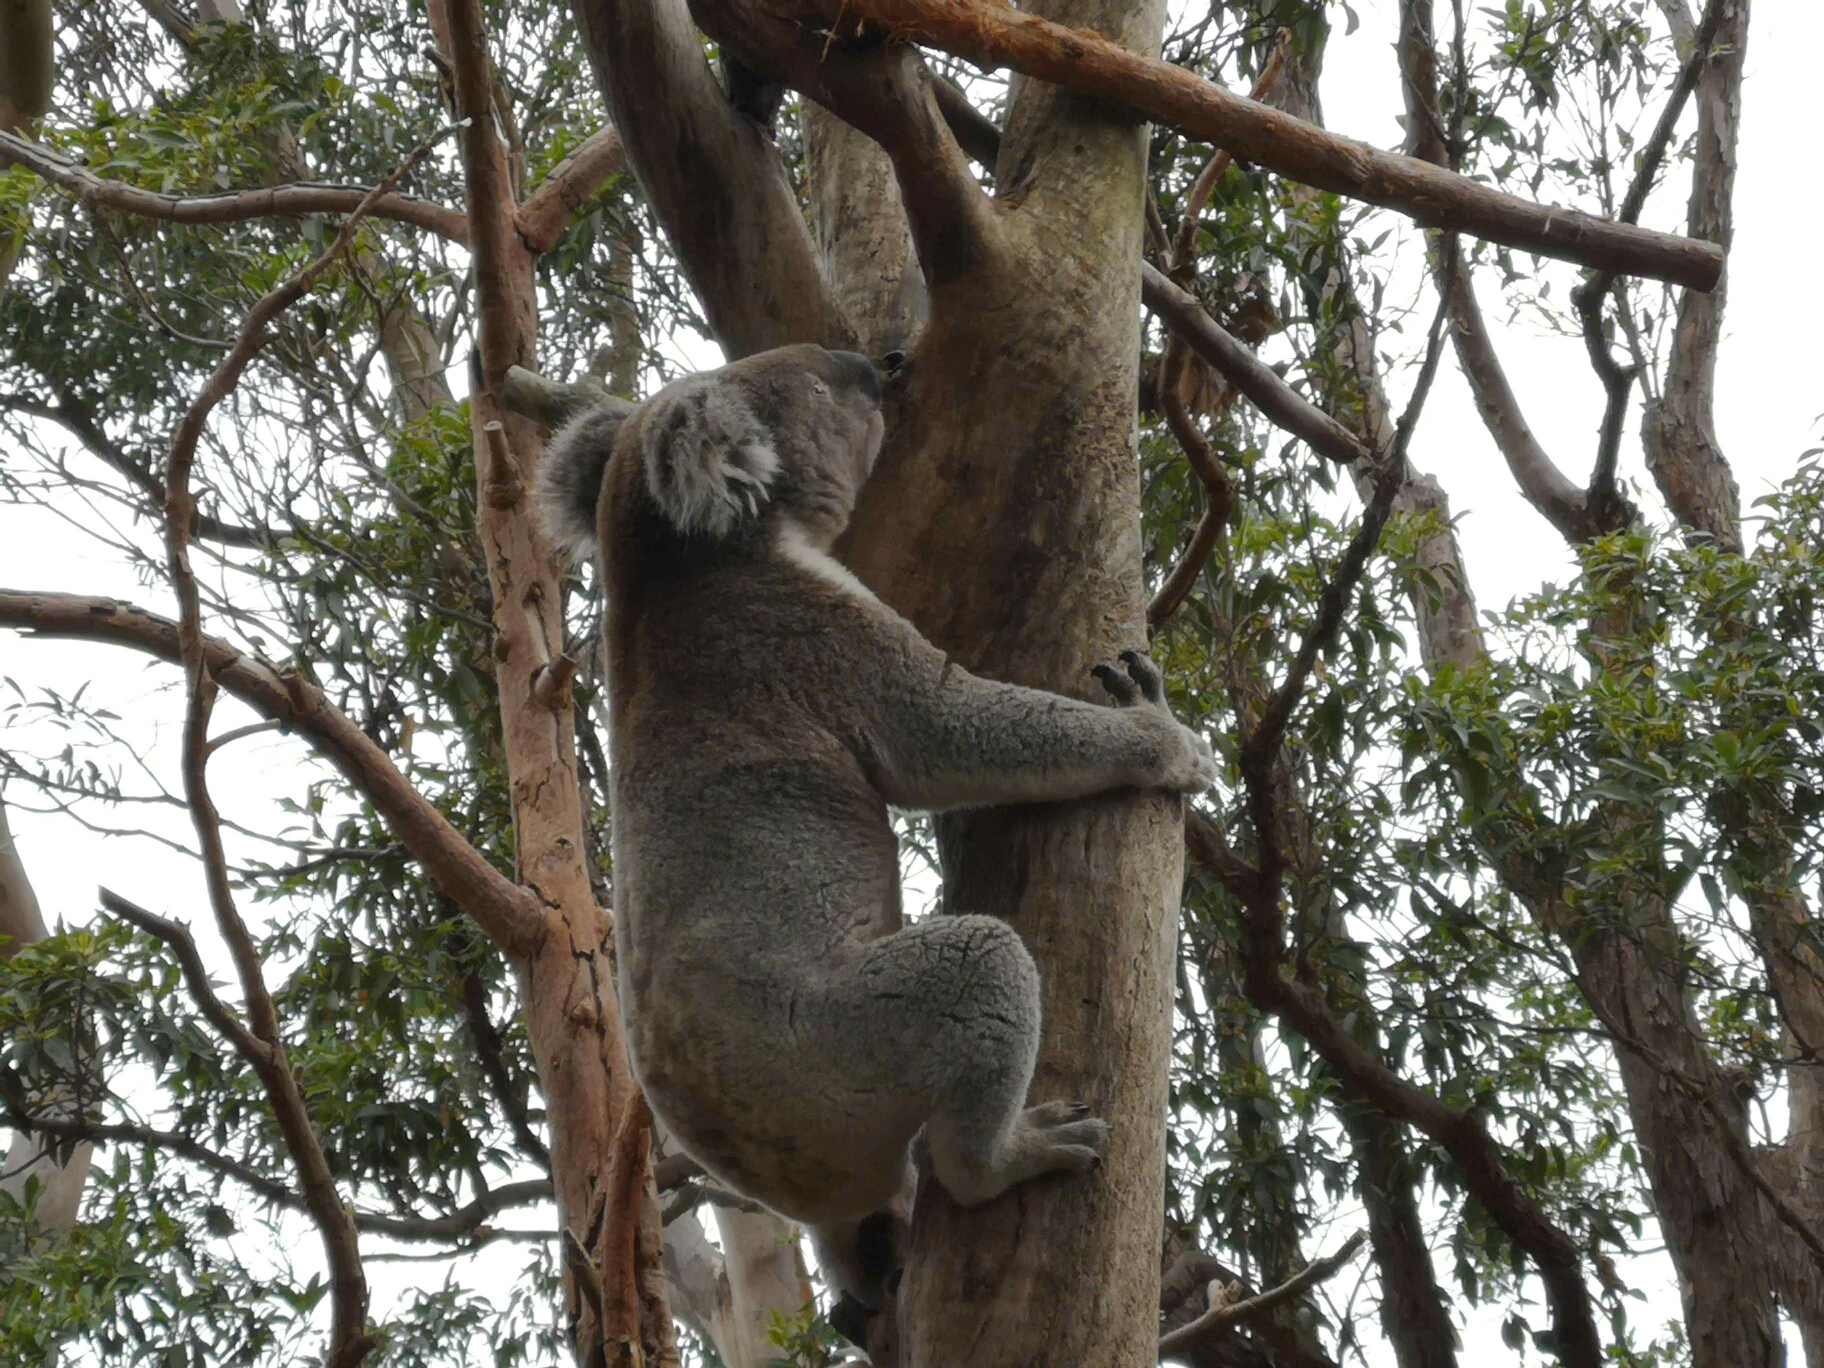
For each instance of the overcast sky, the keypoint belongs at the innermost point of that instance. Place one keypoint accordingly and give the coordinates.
(1769, 407)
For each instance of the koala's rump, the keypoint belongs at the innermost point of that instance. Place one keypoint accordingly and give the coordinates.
(746, 886)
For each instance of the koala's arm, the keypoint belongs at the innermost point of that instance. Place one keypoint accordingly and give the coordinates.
(944, 738)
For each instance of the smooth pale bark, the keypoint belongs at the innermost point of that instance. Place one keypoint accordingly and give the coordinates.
(1678, 429)
(600, 1127)
(1004, 520)
(31, 1159)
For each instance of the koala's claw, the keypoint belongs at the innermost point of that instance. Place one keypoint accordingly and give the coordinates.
(1119, 686)
(1146, 675)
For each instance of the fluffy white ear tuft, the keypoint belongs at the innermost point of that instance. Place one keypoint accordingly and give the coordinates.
(708, 458)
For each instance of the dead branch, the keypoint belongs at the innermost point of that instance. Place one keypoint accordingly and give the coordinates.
(549, 209)
(1220, 1318)
(998, 36)
(295, 199)
(503, 910)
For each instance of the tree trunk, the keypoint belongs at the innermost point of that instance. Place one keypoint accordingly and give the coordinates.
(1003, 519)
(33, 1158)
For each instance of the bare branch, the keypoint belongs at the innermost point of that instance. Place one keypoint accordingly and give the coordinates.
(996, 36)
(295, 199)
(552, 403)
(1246, 371)
(1220, 1318)
(549, 209)
(503, 910)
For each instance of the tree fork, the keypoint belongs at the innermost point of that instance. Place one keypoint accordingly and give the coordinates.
(1086, 64)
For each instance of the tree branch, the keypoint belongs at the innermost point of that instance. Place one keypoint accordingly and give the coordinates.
(1089, 65)
(549, 209)
(295, 199)
(1219, 1318)
(1247, 372)
(745, 246)
(1538, 477)
(503, 910)
(885, 91)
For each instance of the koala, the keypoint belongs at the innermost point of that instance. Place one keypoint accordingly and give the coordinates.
(766, 712)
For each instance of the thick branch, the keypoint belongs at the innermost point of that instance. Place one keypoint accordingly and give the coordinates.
(1089, 65)
(712, 176)
(548, 210)
(296, 199)
(502, 909)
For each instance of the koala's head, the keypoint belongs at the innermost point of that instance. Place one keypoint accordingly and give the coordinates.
(790, 433)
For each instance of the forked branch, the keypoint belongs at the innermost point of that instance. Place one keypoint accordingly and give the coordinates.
(1001, 36)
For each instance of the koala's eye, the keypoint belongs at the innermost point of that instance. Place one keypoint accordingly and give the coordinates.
(818, 388)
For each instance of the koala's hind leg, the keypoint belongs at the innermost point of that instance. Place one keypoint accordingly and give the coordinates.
(960, 997)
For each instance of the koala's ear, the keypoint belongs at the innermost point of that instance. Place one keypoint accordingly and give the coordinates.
(709, 460)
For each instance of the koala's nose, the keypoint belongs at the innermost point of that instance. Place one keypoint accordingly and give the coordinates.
(862, 371)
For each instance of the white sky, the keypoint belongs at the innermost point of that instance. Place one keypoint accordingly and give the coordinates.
(1769, 407)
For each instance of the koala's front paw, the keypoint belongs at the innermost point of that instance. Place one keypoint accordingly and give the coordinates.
(1188, 766)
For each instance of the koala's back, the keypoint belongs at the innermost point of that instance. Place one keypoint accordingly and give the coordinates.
(754, 860)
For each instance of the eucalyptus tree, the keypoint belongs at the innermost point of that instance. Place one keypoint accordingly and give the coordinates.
(298, 297)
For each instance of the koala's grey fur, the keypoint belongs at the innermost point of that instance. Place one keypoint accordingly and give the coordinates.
(766, 710)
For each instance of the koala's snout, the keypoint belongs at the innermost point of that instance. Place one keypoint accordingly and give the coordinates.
(863, 371)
